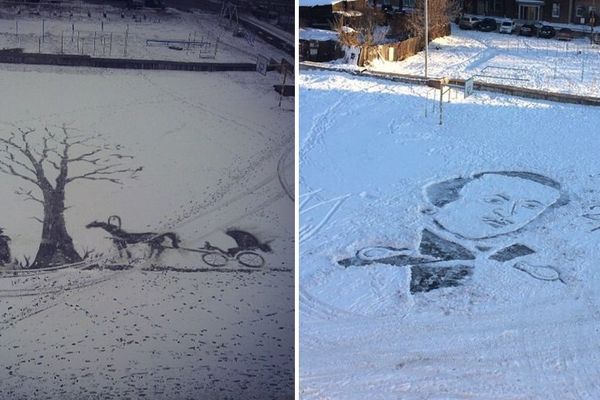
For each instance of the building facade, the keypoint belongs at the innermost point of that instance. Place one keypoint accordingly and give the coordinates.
(582, 12)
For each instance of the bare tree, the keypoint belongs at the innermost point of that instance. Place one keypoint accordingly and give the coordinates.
(440, 13)
(363, 26)
(43, 160)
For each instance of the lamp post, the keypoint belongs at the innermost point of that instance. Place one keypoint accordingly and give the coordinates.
(426, 37)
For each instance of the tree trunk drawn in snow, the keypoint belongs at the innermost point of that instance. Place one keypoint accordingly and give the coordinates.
(43, 159)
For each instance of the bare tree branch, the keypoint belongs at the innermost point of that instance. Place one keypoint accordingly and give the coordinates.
(85, 156)
(28, 195)
(22, 158)
(439, 14)
(6, 168)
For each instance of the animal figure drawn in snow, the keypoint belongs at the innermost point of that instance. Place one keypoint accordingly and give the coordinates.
(122, 238)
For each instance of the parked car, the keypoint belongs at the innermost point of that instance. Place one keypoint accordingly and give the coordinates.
(528, 30)
(468, 23)
(564, 34)
(487, 25)
(507, 26)
(547, 32)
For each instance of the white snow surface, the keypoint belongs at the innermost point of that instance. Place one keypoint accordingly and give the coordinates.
(520, 329)
(216, 153)
(535, 63)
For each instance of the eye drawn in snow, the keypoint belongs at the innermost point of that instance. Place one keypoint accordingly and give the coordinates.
(471, 218)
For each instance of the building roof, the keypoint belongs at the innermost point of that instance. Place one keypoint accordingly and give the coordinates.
(311, 3)
(317, 34)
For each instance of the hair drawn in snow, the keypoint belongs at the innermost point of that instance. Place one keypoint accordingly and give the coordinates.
(468, 215)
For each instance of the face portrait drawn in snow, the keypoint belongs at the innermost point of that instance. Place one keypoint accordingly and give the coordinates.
(471, 218)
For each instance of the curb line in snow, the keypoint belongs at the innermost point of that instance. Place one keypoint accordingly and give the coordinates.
(482, 86)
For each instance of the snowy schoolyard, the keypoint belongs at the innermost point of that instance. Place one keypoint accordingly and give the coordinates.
(105, 31)
(536, 63)
(210, 152)
(454, 261)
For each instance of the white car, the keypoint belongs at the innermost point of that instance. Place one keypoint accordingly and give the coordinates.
(507, 26)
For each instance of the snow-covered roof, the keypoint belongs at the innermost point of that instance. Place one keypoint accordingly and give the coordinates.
(311, 3)
(317, 34)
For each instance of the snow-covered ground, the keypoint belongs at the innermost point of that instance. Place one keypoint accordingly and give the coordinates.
(70, 30)
(454, 261)
(212, 151)
(536, 63)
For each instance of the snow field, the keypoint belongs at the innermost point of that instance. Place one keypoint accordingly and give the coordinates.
(535, 63)
(367, 153)
(214, 149)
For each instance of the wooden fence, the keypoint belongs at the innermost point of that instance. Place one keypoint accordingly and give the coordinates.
(16, 56)
(400, 50)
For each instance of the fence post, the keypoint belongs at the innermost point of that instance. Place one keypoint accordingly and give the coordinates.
(284, 68)
(441, 100)
(125, 46)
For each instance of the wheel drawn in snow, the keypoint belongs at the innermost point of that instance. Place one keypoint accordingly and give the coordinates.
(214, 259)
(250, 259)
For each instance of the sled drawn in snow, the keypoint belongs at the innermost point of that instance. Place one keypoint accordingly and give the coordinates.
(122, 238)
(245, 252)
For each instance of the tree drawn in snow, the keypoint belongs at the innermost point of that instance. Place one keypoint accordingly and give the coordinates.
(45, 160)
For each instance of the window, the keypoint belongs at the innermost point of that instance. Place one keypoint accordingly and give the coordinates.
(579, 12)
(408, 3)
(555, 10)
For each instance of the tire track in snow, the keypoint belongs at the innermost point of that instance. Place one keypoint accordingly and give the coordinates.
(320, 125)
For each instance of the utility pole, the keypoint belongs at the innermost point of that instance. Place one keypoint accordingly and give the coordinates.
(426, 36)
